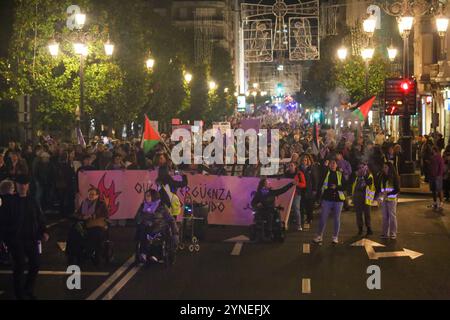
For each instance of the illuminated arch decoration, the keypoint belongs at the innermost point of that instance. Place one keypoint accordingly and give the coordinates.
(280, 27)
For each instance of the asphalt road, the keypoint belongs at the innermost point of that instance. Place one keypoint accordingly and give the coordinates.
(295, 269)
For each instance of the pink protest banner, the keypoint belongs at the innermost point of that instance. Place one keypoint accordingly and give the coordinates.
(228, 198)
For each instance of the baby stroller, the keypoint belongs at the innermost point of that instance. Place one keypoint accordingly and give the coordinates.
(259, 230)
(79, 249)
(193, 226)
(155, 245)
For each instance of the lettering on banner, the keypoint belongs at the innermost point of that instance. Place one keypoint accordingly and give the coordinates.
(214, 198)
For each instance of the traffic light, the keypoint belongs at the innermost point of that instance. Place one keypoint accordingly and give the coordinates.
(405, 86)
(397, 91)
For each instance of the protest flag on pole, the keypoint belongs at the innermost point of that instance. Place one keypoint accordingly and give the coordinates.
(150, 136)
(363, 107)
(80, 138)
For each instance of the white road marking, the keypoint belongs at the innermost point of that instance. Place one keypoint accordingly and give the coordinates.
(373, 255)
(111, 279)
(60, 273)
(306, 285)
(236, 249)
(306, 248)
(122, 283)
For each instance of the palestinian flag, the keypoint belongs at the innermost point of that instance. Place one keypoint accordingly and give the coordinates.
(150, 137)
(363, 107)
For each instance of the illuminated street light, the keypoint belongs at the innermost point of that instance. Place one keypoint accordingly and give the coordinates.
(254, 93)
(80, 19)
(342, 53)
(255, 85)
(109, 48)
(53, 48)
(188, 77)
(367, 53)
(369, 25)
(392, 52)
(150, 63)
(212, 85)
(441, 25)
(405, 25)
(225, 90)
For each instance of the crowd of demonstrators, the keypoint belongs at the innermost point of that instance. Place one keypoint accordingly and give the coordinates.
(326, 169)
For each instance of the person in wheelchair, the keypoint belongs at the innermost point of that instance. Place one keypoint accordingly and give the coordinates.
(90, 231)
(263, 203)
(154, 221)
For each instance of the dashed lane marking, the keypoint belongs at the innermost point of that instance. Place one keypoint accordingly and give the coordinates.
(236, 249)
(306, 285)
(306, 248)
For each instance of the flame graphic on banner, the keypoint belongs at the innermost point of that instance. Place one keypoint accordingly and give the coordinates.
(109, 196)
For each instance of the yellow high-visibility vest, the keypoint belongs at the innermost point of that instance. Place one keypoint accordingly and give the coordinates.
(370, 191)
(389, 188)
(339, 179)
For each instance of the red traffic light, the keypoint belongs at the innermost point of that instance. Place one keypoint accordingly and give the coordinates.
(405, 86)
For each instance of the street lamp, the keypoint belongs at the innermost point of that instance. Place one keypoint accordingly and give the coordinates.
(342, 53)
(188, 77)
(53, 47)
(369, 25)
(109, 48)
(212, 85)
(150, 63)
(367, 53)
(392, 53)
(405, 24)
(225, 90)
(80, 19)
(255, 85)
(441, 26)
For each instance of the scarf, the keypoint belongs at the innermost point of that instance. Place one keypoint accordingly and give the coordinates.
(88, 208)
(150, 207)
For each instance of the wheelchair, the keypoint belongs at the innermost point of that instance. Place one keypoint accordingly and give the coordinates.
(79, 248)
(260, 231)
(155, 246)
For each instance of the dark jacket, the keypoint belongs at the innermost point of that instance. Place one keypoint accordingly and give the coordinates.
(158, 220)
(100, 215)
(333, 194)
(22, 219)
(268, 200)
(311, 185)
(166, 179)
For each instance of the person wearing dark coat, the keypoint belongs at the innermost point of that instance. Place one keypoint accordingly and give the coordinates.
(164, 179)
(23, 230)
(264, 202)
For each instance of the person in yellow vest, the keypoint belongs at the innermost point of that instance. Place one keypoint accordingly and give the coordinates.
(363, 191)
(332, 201)
(388, 189)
